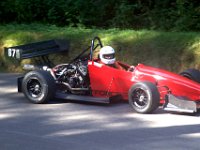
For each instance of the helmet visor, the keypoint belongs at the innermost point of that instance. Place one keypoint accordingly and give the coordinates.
(109, 56)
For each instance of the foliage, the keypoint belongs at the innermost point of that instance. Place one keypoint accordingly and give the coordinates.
(172, 51)
(171, 15)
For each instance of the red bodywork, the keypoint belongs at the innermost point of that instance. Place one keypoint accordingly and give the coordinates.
(107, 81)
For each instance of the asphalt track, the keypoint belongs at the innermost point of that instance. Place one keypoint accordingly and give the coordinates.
(60, 125)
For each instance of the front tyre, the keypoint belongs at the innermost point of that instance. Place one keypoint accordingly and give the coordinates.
(38, 86)
(192, 74)
(144, 97)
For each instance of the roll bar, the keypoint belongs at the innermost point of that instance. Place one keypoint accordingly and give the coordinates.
(92, 45)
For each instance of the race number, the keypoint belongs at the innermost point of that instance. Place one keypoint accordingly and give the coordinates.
(14, 53)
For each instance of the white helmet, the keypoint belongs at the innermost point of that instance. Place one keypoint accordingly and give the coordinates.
(107, 55)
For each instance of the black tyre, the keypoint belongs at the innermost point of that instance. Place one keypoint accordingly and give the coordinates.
(38, 86)
(144, 97)
(192, 74)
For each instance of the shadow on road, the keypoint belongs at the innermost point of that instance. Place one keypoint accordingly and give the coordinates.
(61, 125)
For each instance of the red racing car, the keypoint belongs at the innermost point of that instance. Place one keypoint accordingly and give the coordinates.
(85, 79)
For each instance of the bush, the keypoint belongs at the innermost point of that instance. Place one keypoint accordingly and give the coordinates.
(170, 15)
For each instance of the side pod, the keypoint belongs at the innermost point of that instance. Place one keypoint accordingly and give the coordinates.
(179, 104)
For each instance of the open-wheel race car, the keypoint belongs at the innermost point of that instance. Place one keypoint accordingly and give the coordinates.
(86, 79)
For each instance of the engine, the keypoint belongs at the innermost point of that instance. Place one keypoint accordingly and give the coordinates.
(72, 75)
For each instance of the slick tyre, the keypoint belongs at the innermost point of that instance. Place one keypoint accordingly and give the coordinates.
(38, 86)
(192, 74)
(144, 97)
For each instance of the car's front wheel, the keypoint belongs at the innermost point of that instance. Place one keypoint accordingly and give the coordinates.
(144, 97)
(192, 74)
(38, 86)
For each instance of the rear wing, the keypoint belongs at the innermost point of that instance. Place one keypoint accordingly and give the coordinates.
(39, 49)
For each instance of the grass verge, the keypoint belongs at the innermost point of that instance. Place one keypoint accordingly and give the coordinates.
(172, 51)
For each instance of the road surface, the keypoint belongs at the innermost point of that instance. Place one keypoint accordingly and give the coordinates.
(60, 125)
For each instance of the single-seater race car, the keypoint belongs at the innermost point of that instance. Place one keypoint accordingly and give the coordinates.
(86, 79)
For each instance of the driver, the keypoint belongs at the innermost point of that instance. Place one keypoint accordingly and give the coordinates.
(107, 56)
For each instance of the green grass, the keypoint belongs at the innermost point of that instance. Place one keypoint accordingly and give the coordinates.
(172, 51)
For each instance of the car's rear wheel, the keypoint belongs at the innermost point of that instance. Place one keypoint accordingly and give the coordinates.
(38, 86)
(144, 97)
(192, 74)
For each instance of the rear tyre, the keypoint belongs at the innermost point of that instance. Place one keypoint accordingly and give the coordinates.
(192, 74)
(144, 97)
(38, 86)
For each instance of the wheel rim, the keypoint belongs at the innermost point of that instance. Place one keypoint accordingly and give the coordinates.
(139, 98)
(34, 88)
